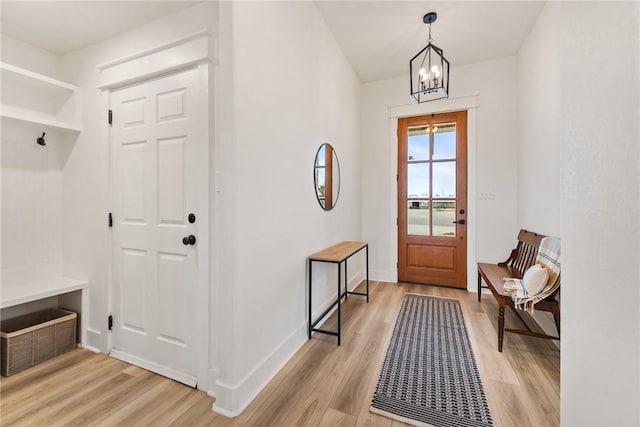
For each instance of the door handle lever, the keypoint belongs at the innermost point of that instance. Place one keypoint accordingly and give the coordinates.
(460, 221)
(189, 240)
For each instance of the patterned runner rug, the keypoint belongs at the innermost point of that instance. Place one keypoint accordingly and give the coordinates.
(429, 375)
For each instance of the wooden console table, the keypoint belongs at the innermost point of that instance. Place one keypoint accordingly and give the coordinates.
(336, 254)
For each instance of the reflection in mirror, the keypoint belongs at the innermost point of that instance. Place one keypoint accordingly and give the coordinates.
(326, 176)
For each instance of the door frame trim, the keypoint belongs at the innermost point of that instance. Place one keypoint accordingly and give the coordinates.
(470, 104)
(165, 58)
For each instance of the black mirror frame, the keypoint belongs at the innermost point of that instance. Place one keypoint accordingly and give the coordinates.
(315, 177)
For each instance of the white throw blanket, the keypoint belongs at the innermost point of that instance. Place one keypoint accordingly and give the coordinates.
(549, 257)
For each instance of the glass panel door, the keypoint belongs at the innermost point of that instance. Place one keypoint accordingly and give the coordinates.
(432, 198)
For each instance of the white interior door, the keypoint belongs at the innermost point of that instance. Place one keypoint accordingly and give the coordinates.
(157, 150)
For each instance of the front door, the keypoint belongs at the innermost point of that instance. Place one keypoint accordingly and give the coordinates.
(432, 199)
(156, 177)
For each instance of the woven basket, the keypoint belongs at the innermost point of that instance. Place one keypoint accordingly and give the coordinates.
(35, 337)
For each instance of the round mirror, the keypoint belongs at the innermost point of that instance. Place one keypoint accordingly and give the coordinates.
(326, 176)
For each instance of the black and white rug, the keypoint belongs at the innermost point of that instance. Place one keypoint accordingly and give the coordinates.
(429, 375)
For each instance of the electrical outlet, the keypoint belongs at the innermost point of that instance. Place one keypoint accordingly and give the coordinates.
(488, 195)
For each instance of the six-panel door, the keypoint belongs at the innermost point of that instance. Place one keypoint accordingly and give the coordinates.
(155, 180)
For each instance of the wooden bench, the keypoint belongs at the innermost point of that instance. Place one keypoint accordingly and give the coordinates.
(521, 258)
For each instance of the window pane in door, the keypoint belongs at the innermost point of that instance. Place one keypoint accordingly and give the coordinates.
(444, 141)
(418, 217)
(444, 179)
(417, 180)
(444, 213)
(418, 146)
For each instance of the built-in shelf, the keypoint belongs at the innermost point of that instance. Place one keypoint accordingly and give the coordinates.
(38, 290)
(38, 100)
(40, 122)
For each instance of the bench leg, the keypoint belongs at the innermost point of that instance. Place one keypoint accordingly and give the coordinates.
(556, 317)
(500, 327)
(479, 286)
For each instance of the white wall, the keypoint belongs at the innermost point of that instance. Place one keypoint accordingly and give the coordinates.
(579, 150)
(600, 214)
(539, 148)
(495, 164)
(32, 58)
(86, 197)
(292, 90)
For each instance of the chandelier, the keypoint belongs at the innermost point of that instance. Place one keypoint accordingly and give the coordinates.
(429, 69)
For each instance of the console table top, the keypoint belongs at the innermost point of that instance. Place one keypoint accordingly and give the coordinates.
(338, 252)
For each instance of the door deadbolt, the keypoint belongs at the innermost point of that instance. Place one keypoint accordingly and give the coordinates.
(191, 218)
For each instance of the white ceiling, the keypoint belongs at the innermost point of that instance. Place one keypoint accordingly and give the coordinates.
(64, 26)
(378, 37)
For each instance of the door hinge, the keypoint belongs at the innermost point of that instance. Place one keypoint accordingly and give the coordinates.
(397, 221)
(110, 321)
(110, 117)
(110, 220)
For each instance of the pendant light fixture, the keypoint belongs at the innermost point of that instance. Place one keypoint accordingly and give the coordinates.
(429, 69)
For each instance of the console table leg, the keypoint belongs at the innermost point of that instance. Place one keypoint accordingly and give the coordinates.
(346, 280)
(339, 290)
(367, 269)
(479, 286)
(500, 327)
(310, 272)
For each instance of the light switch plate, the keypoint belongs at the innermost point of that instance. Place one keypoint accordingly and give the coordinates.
(489, 195)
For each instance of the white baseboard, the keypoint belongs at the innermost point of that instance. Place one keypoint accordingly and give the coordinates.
(90, 348)
(214, 374)
(231, 400)
(95, 340)
(382, 275)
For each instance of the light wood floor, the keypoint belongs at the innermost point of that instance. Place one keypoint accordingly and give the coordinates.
(321, 385)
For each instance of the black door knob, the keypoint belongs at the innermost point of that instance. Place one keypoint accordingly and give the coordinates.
(460, 221)
(189, 240)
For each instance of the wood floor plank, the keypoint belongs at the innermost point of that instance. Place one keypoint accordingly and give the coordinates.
(322, 384)
(172, 399)
(351, 394)
(314, 405)
(337, 418)
(198, 414)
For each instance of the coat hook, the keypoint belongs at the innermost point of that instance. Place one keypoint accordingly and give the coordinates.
(40, 141)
